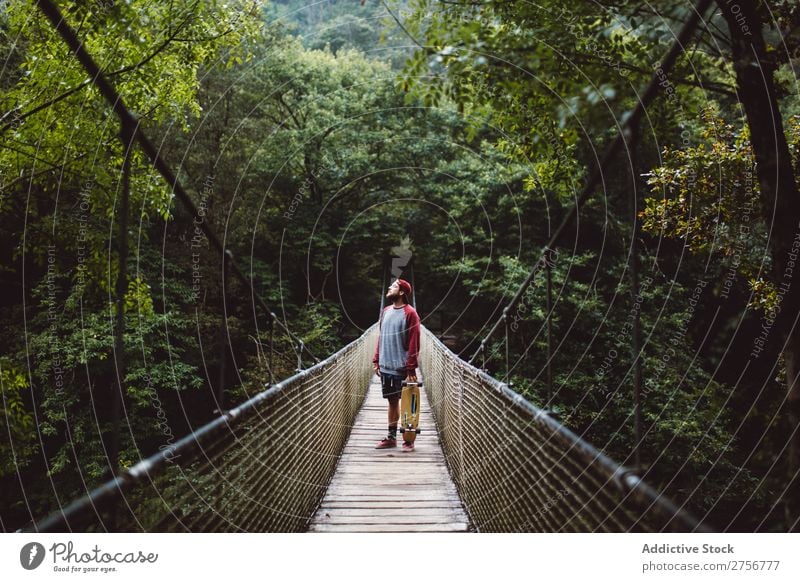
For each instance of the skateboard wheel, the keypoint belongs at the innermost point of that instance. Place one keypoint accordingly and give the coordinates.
(402, 430)
(419, 431)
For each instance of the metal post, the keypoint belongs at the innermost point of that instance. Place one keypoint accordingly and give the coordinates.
(461, 474)
(508, 367)
(633, 138)
(127, 132)
(223, 344)
(549, 316)
(272, 317)
(385, 281)
(300, 347)
(413, 287)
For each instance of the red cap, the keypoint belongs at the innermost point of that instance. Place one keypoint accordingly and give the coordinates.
(405, 286)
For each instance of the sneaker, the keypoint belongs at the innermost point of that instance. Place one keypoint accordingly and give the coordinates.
(408, 447)
(387, 443)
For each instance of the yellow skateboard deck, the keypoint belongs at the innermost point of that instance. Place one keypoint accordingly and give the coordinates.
(409, 411)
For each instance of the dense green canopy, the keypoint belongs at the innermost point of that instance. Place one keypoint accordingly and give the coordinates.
(455, 136)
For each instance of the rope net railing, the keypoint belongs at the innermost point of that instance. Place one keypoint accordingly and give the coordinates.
(263, 466)
(519, 470)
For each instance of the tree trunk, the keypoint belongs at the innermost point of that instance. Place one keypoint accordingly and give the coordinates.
(779, 194)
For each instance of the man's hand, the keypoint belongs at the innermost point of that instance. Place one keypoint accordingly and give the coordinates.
(377, 369)
(411, 377)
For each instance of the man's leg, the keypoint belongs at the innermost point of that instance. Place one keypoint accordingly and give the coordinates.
(394, 414)
(389, 385)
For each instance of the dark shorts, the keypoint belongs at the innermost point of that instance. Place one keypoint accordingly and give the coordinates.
(391, 385)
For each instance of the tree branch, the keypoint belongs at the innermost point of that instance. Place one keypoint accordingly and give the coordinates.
(289, 111)
(16, 117)
(722, 88)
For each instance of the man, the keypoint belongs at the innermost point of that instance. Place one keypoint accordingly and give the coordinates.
(396, 354)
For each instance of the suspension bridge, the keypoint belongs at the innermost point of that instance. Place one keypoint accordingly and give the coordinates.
(487, 461)
(299, 456)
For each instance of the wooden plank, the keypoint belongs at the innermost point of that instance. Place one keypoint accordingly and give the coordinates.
(390, 505)
(392, 494)
(388, 489)
(403, 474)
(396, 467)
(395, 457)
(393, 482)
(435, 497)
(364, 487)
(392, 521)
(377, 528)
(379, 503)
(410, 480)
(399, 472)
(398, 475)
(381, 462)
(440, 514)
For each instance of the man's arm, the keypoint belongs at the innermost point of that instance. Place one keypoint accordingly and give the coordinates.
(412, 327)
(375, 358)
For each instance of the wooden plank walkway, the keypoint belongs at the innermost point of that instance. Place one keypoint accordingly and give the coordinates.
(388, 490)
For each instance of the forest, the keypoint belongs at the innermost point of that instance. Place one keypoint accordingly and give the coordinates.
(329, 143)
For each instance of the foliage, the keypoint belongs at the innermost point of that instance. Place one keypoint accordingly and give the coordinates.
(16, 444)
(343, 24)
(60, 161)
(312, 153)
(710, 199)
(555, 80)
(59, 130)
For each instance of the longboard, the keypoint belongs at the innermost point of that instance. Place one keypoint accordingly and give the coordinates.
(409, 411)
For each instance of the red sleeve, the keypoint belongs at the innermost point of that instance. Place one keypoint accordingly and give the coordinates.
(378, 345)
(412, 329)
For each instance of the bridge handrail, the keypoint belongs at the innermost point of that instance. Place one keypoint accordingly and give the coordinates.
(633, 503)
(189, 447)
